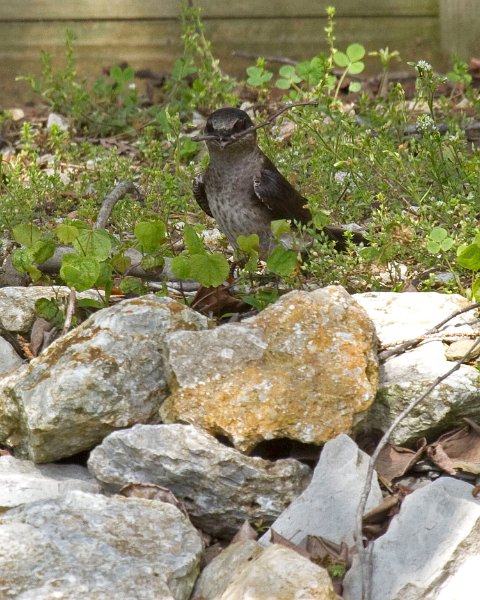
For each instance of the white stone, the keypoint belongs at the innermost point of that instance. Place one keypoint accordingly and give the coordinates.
(328, 506)
(9, 359)
(429, 547)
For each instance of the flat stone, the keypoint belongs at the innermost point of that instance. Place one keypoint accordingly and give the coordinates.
(21, 481)
(219, 486)
(9, 359)
(432, 541)
(328, 506)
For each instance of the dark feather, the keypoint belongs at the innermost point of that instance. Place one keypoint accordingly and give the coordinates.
(276, 193)
(200, 194)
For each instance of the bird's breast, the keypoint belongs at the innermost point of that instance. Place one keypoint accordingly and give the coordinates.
(233, 203)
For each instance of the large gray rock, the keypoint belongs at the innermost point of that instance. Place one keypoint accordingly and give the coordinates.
(107, 374)
(246, 570)
(88, 546)
(397, 318)
(328, 506)
(219, 486)
(21, 481)
(432, 542)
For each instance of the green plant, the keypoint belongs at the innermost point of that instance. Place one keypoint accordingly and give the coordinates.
(352, 64)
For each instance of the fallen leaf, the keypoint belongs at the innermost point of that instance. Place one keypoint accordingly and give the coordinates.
(217, 301)
(246, 532)
(440, 458)
(395, 461)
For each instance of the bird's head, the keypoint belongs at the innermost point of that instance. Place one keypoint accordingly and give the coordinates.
(225, 129)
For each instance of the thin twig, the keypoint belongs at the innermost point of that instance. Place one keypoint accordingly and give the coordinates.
(72, 301)
(409, 344)
(118, 192)
(237, 136)
(365, 563)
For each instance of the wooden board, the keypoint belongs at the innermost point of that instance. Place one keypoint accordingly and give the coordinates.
(156, 44)
(27, 10)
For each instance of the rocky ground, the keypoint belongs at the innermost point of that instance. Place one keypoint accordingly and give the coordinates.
(138, 445)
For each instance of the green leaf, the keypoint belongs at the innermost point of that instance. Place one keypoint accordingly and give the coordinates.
(133, 285)
(79, 272)
(252, 263)
(45, 308)
(321, 218)
(181, 266)
(438, 234)
(280, 226)
(42, 250)
(356, 68)
(282, 261)
(152, 261)
(312, 71)
(96, 243)
(22, 259)
(67, 233)
(210, 270)
(35, 274)
(258, 76)
(248, 243)
(341, 59)
(120, 262)
(283, 84)
(90, 303)
(354, 87)
(150, 234)
(262, 298)
(104, 279)
(447, 244)
(193, 243)
(433, 247)
(469, 257)
(26, 234)
(476, 289)
(355, 52)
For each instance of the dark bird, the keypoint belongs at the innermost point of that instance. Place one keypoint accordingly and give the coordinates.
(242, 189)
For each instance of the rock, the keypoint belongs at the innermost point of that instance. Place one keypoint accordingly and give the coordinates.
(17, 304)
(328, 506)
(9, 359)
(456, 350)
(107, 374)
(219, 486)
(398, 317)
(432, 541)
(301, 369)
(245, 570)
(83, 546)
(21, 481)
(59, 121)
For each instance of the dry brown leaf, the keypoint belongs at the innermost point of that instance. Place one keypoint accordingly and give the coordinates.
(385, 509)
(276, 538)
(440, 458)
(395, 461)
(245, 532)
(218, 301)
(462, 449)
(25, 347)
(37, 335)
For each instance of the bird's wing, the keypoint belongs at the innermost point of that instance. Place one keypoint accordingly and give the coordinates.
(200, 194)
(282, 199)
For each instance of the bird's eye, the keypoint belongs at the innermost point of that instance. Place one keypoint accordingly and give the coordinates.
(208, 128)
(239, 125)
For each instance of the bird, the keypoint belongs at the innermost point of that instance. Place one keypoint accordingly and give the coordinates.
(242, 189)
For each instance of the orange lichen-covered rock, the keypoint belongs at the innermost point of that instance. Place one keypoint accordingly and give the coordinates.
(301, 369)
